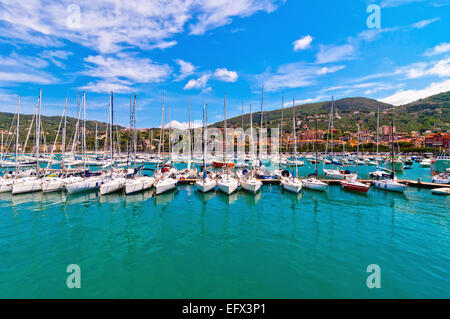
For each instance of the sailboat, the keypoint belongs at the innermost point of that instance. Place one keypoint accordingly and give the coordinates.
(378, 173)
(88, 182)
(136, 183)
(54, 183)
(116, 181)
(292, 183)
(163, 181)
(227, 183)
(334, 173)
(205, 184)
(352, 183)
(32, 184)
(6, 183)
(312, 182)
(250, 183)
(391, 184)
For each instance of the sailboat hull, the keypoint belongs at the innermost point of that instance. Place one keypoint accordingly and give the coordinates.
(83, 186)
(205, 186)
(27, 187)
(165, 185)
(138, 185)
(251, 186)
(228, 187)
(112, 186)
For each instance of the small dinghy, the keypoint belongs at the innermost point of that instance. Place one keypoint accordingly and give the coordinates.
(441, 191)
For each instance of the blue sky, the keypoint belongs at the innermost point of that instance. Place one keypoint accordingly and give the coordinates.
(199, 50)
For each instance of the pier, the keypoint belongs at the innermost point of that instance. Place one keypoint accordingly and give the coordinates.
(418, 184)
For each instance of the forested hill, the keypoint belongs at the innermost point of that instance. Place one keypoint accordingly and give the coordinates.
(431, 113)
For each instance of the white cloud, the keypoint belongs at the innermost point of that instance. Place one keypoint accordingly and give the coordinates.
(439, 49)
(424, 23)
(295, 75)
(302, 43)
(331, 53)
(417, 70)
(16, 77)
(396, 3)
(186, 69)
(403, 97)
(198, 83)
(216, 13)
(183, 125)
(109, 26)
(55, 56)
(16, 68)
(106, 86)
(225, 75)
(126, 66)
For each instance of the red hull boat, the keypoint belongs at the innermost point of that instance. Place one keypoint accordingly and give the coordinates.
(223, 164)
(355, 186)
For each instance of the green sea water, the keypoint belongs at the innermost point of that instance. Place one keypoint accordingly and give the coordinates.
(184, 244)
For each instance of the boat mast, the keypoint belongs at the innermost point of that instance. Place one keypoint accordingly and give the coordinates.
(84, 130)
(190, 139)
(204, 141)
(96, 141)
(332, 129)
(63, 141)
(357, 150)
(294, 136)
(261, 124)
(129, 136)
(316, 147)
(225, 129)
(392, 135)
(38, 125)
(134, 131)
(281, 124)
(161, 133)
(17, 137)
(378, 125)
(250, 148)
(111, 131)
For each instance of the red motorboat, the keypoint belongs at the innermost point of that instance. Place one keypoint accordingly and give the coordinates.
(353, 185)
(223, 164)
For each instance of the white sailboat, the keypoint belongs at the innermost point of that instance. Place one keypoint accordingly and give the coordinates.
(136, 183)
(31, 184)
(205, 184)
(54, 183)
(391, 184)
(116, 182)
(163, 182)
(227, 183)
(292, 183)
(88, 183)
(250, 183)
(312, 182)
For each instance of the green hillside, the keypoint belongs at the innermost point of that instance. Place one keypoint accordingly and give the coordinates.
(431, 113)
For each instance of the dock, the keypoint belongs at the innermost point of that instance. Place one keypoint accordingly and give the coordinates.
(418, 184)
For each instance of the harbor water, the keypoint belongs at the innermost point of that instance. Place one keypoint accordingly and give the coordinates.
(184, 244)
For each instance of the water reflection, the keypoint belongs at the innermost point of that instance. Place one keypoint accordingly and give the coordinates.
(250, 198)
(20, 199)
(78, 198)
(166, 198)
(139, 197)
(204, 197)
(228, 199)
